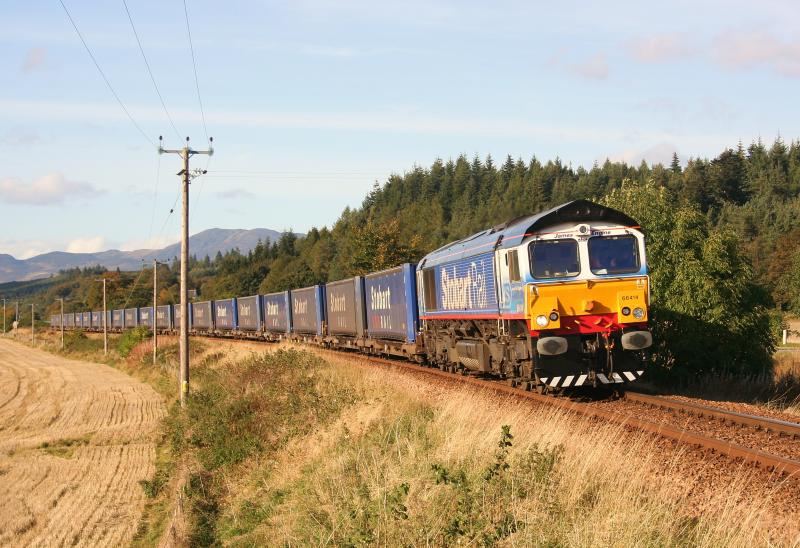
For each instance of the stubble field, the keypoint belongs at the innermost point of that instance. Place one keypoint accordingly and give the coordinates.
(75, 440)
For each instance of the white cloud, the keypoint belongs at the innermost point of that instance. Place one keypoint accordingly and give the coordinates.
(382, 122)
(155, 242)
(660, 153)
(53, 188)
(87, 245)
(740, 50)
(235, 194)
(660, 48)
(34, 59)
(594, 67)
(25, 249)
(20, 137)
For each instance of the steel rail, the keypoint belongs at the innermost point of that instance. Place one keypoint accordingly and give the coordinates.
(791, 429)
(734, 451)
(765, 460)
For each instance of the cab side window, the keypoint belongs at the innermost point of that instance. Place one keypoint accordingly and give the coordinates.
(513, 266)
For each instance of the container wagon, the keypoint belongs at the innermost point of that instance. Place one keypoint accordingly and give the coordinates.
(308, 313)
(248, 316)
(276, 312)
(390, 299)
(202, 317)
(345, 313)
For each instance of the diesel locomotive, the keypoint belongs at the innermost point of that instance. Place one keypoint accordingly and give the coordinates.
(550, 301)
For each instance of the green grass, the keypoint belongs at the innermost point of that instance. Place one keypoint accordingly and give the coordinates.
(65, 448)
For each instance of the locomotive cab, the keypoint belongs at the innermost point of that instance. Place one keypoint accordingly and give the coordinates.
(583, 287)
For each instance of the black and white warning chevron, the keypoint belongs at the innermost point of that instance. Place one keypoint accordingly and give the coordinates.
(569, 381)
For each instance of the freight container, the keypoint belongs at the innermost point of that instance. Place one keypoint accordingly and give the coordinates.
(164, 317)
(176, 312)
(97, 319)
(86, 320)
(202, 316)
(308, 313)
(391, 304)
(131, 317)
(69, 320)
(108, 319)
(118, 319)
(344, 307)
(248, 313)
(55, 320)
(146, 316)
(225, 314)
(276, 312)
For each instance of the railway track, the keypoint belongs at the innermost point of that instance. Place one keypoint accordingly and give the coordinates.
(763, 459)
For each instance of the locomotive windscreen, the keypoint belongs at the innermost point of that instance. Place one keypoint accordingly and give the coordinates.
(554, 258)
(614, 254)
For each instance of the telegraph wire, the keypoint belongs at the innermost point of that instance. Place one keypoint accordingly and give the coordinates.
(105, 79)
(155, 198)
(149, 71)
(194, 65)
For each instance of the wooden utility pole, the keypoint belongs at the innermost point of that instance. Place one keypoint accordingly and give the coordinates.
(185, 153)
(154, 317)
(105, 318)
(61, 323)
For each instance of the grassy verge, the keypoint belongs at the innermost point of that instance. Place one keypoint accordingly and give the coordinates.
(295, 451)
(285, 448)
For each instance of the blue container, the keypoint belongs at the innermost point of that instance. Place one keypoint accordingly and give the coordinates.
(248, 313)
(308, 310)
(86, 320)
(391, 304)
(54, 320)
(146, 316)
(164, 316)
(69, 320)
(277, 312)
(176, 312)
(77, 319)
(97, 319)
(202, 316)
(344, 307)
(225, 314)
(131, 317)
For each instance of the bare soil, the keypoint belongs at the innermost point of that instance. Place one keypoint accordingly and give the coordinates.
(75, 440)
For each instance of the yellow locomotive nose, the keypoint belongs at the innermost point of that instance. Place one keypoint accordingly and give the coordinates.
(626, 299)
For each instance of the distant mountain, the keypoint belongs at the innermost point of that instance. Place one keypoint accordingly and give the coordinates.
(207, 242)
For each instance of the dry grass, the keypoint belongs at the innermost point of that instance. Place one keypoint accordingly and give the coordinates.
(408, 465)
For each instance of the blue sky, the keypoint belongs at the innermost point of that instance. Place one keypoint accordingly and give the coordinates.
(311, 101)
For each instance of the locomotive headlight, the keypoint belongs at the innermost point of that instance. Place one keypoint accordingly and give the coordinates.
(554, 316)
(541, 321)
(625, 310)
(638, 313)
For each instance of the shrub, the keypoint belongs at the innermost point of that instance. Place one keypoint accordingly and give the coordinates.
(131, 338)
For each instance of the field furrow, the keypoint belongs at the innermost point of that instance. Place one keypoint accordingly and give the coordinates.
(75, 440)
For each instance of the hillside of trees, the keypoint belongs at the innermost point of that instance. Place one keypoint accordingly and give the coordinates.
(723, 237)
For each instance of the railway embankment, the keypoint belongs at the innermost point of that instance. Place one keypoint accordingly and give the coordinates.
(288, 445)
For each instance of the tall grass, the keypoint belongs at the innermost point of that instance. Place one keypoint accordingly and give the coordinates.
(406, 464)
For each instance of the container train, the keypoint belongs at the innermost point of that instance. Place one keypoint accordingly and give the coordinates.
(550, 301)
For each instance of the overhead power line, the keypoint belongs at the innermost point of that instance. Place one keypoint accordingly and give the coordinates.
(150, 72)
(194, 65)
(105, 79)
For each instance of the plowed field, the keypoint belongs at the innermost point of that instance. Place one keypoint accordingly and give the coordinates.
(75, 439)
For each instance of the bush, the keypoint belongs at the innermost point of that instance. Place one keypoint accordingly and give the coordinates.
(131, 338)
(708, 313)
